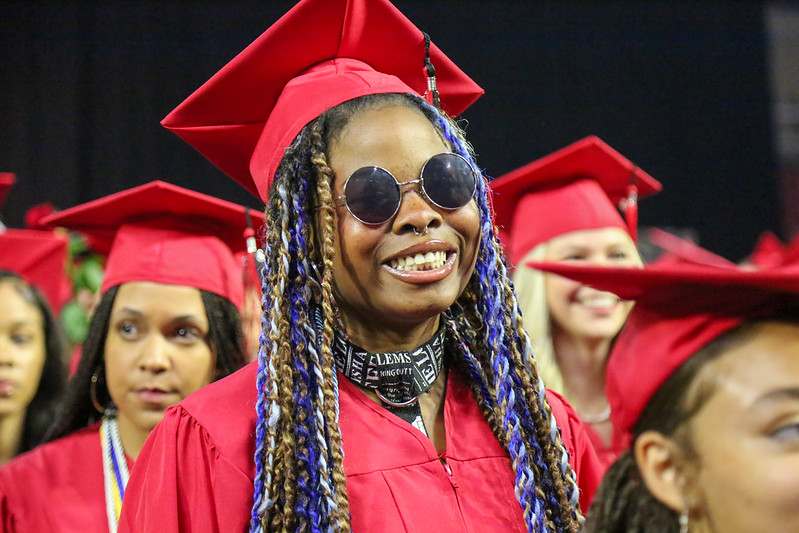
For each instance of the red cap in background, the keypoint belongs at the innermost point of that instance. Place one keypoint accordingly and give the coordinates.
(678, 249)
(579, 187)
(6, 182)
(165, 234)
(38, 257)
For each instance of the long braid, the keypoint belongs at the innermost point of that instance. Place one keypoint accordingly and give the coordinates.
(535, 392)
(490, 273)
(325, 196)
(286, 467)
(309, 505)
(321, 494)
(507, 396)
(266, 422)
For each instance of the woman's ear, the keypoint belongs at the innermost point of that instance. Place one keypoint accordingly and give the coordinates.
(661, 463)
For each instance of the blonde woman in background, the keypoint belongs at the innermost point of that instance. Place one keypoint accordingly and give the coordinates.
(563, 208)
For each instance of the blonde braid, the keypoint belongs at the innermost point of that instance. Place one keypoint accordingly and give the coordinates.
(326, 237)
(285, 467)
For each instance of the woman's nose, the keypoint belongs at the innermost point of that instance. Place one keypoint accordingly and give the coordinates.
(415, 212)
(155, 354)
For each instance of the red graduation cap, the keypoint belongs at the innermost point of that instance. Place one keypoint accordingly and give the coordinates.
(6, 182)
(682, 250)
(166, 234)
(320, 54)
(769, 252)
(679, 309)
(576, 188)
(38, 257)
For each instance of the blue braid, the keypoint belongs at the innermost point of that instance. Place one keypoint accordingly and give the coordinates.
(307, 502)
(323, 498)
(267, 388)
(267, 392)
(491, 309)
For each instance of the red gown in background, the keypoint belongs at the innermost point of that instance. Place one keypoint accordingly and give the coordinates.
(56, 487)
(606, 455)
(195, 472)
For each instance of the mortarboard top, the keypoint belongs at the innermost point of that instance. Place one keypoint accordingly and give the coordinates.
(576, 188)
(39, 258)
(6, 182)
(683, 250)
(318, 55)
(769, 252)
(791, 254)
(679, 309)
(166, 234)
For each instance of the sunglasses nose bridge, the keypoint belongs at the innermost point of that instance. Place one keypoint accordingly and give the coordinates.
(407, 186)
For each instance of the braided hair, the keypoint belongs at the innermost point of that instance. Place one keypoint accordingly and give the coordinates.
(299, 480)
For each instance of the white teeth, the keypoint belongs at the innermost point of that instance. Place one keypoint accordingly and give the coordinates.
(600, 301)
(427, 261)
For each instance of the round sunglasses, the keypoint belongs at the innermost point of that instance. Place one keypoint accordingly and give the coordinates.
(373, 194)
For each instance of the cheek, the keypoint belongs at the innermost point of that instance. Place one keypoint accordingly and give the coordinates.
(466, 222)
(559, 291)
(119, 363)
(32, 363)
(196, 368)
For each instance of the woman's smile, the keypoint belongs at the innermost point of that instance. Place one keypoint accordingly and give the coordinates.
(423, 263)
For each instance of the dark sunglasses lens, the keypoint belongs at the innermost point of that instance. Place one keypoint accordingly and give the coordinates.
(372, 195)
(449, 180)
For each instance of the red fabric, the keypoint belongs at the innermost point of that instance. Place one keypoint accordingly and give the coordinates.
(195, 472)
(7, 180)
(166, 234)
(680, 249)
(56, 487)
(318, 55)
(578, 187)
(39, 258)
(679, 308)
(606, 455)
(769, 251)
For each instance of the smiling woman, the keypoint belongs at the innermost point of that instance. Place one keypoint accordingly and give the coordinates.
(395, 388)
(167, 324)
(564, 207)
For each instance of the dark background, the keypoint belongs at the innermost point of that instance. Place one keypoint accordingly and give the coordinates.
(680, 88)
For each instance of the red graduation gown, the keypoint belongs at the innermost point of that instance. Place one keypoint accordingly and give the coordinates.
(195, 471)
(56, 487)
(606, 455)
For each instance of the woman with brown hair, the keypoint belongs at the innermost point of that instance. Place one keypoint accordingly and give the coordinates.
(704, 386)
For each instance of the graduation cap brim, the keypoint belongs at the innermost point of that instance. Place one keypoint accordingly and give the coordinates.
(655, 283)
(361, 46)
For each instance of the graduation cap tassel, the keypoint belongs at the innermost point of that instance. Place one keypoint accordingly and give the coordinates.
(252, 245)
(431, 95)
(630, 206)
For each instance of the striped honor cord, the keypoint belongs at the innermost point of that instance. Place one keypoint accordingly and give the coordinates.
(115, 470)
